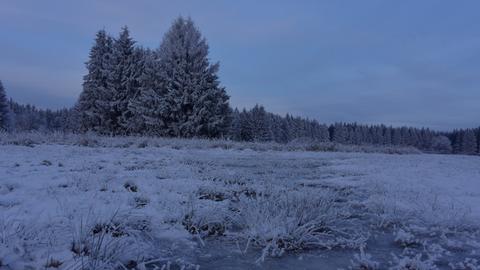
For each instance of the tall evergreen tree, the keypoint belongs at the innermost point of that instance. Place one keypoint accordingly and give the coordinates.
(339, 133)
(4, 111)
(457, 138)
(126, 71)
(197, 103)
(246, 129)
(478, 140)
(387, 136)
(260, 124)
(94, 104)
(149, 107)
(235, 127)
(469, 142)
(396, 136)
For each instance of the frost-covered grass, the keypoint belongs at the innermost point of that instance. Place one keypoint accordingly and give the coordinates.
(123, 204)
(291, 220)
(92, 140)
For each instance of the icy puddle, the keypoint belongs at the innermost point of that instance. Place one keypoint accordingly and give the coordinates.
(383, 251)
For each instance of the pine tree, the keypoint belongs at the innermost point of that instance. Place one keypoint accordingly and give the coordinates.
(246, 123)
(260, 124)
(478, 140)
(456, 138)
(4, 111)
(149, 108)
(469, 142)
(235, 126)
(198, 105)
(387, 136)
(339, 133)
(94, 104)
(125, 80)
(396, 136)
(323, 134)
(377, 135)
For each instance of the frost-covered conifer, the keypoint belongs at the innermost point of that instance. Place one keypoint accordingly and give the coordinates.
(457, 137)
(260, 124)
(469, 142)
(4, 111)
(387, 135)
(339, 133)
(478, 140)
(198, 105)
(235, 126)
(149, 107)
(94, 104)
(246, 130)
(323, 134)
(126, 71)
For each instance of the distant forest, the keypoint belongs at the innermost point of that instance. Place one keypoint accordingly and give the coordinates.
(174, 91)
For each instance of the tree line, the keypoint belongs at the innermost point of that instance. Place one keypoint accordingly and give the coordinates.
(257, 124)
(175, 91)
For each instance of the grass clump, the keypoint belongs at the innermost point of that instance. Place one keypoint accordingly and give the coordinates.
(296, 220)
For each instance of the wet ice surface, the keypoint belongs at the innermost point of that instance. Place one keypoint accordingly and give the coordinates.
(424, 209)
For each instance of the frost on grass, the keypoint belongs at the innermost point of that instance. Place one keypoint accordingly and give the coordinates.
(145, 202)
(102, 241)
(403, 204)
(414, 262)
(30, 139)
(295, 220)
(467, 264)
(204, 219)
(406, 239)
(364, 261)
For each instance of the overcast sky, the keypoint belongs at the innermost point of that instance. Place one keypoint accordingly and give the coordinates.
(394, 62)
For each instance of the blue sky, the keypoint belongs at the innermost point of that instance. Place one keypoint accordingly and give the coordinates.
(371, 61)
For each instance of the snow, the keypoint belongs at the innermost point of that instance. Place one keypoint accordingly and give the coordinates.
(52, 196)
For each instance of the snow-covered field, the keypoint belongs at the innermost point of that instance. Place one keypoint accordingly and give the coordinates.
(75, 207)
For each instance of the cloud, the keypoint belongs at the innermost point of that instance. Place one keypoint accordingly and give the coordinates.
(406, 62)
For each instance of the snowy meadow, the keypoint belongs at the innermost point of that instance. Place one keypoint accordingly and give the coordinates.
(71, 202)
(340, 136)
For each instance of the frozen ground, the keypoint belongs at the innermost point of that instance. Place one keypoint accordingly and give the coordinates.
(74, 207)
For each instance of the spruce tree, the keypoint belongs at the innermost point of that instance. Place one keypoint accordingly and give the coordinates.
(339, 133)
(235, 127)
(478, 140)
(260, 124)
(469, 142)
(396, 136)
(457, 138)
(387, 136)
(323, 133)
(149, 107)
(198, 105)
(246, 123)
(94, 105)
(125, 80)
(4, 111)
